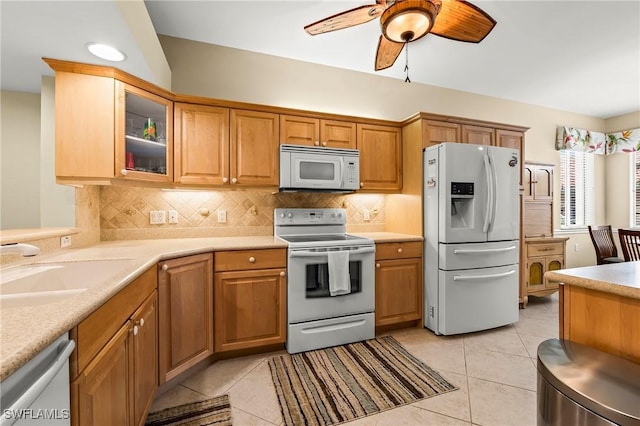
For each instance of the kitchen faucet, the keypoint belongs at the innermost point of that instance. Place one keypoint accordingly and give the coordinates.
(26, 250)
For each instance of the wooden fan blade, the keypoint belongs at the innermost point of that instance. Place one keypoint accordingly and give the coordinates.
(462, 21)
(347, 19)
(387, 53)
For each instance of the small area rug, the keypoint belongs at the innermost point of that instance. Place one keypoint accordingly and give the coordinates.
(215, 411)
(343, 383)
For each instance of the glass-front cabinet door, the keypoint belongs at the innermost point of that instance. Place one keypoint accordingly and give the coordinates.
(144, 135)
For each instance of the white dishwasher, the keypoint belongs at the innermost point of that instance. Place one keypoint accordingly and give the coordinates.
(38, 392)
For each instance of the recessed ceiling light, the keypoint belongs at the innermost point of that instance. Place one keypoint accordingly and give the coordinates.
(106, 52)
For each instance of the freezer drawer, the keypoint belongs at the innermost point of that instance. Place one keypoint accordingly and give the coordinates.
(478, 255)
(477, 299)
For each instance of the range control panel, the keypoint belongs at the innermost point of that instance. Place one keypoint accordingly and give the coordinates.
(310, 216)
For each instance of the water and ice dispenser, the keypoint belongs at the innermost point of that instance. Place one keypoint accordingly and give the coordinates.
(462, 204)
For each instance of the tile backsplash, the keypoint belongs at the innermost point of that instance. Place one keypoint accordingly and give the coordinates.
(124, 211)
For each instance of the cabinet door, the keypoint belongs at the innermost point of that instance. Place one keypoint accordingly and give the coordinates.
(515, 140)
(145, 357)
(254, 148)
(299, 130)
(85, 131)
(201, 154)
(250, 308)
(380, 158)
(398, 291)
(535, 274)
(185, 294)
(337, 134)
(435, 132)
(543, 184)
(143, 135)
(478, 135)
(553, 264)
(528, 181)
(101, 395)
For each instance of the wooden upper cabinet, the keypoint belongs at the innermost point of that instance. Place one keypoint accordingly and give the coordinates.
(380, 158)
(435, 132)
(254, 148)
(478, 135)
(201, 154)
(515, 140)
(317, 132)
(538, 182)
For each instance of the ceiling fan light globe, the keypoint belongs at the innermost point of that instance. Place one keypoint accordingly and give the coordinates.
(408, 20)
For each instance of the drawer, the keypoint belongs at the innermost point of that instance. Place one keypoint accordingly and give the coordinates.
(398, 250)
(240, 260)
(545, 249)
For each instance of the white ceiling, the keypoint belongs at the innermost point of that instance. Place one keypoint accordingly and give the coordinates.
(579, 56)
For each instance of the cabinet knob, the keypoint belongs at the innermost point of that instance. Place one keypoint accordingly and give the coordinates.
(124, 172)
(234, 180)
(361, 184)
(141, 322)
(400, 250)
(165, 267)
(324, 144)
(282, 273)
(377, 265)
(225, 179)
(316, 143)
(252, 259)
(135, 330)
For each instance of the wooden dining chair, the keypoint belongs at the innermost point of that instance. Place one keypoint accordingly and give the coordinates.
(630, 243)
(606, 250)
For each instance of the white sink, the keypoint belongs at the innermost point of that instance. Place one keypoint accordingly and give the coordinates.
(43, 283)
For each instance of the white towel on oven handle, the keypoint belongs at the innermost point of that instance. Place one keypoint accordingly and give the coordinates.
(339, 279)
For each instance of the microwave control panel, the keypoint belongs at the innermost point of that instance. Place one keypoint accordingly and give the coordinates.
(352, 174)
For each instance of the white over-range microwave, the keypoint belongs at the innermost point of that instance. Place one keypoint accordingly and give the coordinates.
(306, 168)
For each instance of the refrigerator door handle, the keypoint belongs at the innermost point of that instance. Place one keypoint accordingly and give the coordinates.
(483, 277)
(488, 208)
(473, 251)
(494, 191)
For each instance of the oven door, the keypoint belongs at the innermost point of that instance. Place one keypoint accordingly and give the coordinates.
(308, 284)
(316, 171)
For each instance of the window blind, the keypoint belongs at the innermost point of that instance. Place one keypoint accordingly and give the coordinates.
(576, 189)
(636, 189)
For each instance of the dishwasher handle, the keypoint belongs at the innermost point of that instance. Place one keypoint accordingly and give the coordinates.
(30, 395)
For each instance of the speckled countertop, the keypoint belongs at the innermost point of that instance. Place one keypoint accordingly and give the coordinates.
(622, 279)
(26, 331)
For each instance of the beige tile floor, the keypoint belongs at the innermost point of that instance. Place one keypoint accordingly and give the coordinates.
(494, 370)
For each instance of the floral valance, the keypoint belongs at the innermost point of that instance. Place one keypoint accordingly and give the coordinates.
(597, 142)
(580, 140)
(625, 141)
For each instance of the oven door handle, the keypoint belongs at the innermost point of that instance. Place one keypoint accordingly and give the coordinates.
(303, 253)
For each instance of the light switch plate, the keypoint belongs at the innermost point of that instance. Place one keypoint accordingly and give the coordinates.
(173, 216)
(222, 216)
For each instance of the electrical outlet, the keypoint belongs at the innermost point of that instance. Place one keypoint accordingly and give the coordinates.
(157, 217)
(367, 215)
(65, 241)
(575, 248)
(173, 216)
(222, 216)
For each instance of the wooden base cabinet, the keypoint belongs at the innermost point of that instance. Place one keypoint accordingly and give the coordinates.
(250, 299)
(185, 293)
(542, 255)
(398, 283)
(115, 383)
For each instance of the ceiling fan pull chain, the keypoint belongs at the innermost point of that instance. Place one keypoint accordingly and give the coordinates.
(406, 66)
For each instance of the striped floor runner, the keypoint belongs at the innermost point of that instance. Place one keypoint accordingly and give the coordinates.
(339, 384)
(215, 411)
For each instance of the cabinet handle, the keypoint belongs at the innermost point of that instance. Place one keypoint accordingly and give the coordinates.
(252, 259)
(377, 265)
(225, 179)
(140, 322)
(361, 184)
(316, 143)
(234, 180)
(124, 172)
(324, 144)
(165, 267)
(282, 274)
(135, 330)
(400, 250)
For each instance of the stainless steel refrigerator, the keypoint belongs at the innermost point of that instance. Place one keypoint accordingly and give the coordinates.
(471, 229)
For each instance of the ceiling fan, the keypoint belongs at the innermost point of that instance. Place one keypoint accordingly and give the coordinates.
(405, 21)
